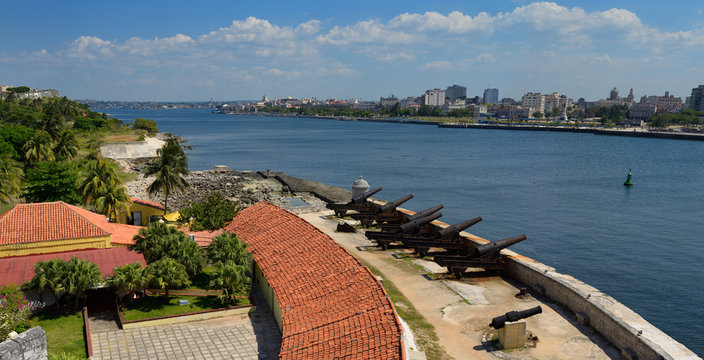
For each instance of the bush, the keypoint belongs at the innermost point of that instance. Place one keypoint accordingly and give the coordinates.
(15, 309)
(211, 213)
(52, 181)
(145, 124)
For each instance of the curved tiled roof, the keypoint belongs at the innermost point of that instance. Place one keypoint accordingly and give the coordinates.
(331, 305)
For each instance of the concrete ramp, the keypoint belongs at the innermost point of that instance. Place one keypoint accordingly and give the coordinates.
(132, 149)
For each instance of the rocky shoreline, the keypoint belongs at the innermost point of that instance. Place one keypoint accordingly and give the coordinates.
(245, 187)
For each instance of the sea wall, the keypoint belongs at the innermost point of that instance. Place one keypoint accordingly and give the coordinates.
(635, 337)
(29, 345)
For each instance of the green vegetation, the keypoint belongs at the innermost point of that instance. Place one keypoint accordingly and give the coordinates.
(232, 279)
(169, 167)
(424, 332)
(61, 277)
(160, 241)
(131, 278)
(145, 124)
(685, 117)
(154, 306)
(211, 213)
(228, 247)
(168, 273)
(51, 181)
(14, 311)
(64, 333)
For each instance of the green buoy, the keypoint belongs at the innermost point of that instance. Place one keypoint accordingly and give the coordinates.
(629, 179)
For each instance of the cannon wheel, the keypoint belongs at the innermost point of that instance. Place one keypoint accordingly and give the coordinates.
(459, 272)
(422, 252)
(340, 213)
(367, 223)
(382, 244)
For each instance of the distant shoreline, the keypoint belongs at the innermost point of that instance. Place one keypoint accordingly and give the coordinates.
(629, 131)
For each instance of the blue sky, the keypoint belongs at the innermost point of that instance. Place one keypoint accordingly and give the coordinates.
(187, 50)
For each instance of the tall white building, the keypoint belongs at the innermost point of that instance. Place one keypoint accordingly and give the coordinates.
(455, 92)
(555, 100)
(533, 100)
(434, 97)
(491, 96)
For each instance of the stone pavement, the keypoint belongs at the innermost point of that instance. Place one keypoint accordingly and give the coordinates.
(247, 336)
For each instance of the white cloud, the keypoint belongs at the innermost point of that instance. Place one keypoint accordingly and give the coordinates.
(396, 57)
(368, 31)
(436, 65)
(454, 22)
(89, 48)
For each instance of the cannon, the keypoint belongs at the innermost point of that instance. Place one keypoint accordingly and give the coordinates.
(487, 256)
(358, 203)
(385, 213)
(415, 227)
(418, 215)
(500, 321)
(447, 238)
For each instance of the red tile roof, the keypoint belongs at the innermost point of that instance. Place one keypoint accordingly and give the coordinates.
(203, 238)
(147, 203)
(35, 222)
(18, 269)
(331, 305)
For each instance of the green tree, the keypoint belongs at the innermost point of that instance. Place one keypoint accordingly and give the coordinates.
(538, 115)
(96, 180)
(658, 122)
(38, 148)
(11, 176)
(228, 247)
(17, 136)
(113, 200)
(169, 167)
(53, 121)
(131, 278)
(48, 275)
(212, 213)
(159, 241)
(51, 181)
(168, 273)
(145, 124)
(232, 279)
(66, 147)
(81, 275)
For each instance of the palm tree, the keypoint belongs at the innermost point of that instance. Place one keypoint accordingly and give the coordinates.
(169, 167)
(48, 275)
(38, 148)
(232, 279)
(66, 146)
(151, 241)
(11, 176)
(113, 200)
(228, 247)
(98, 177)
(81, 275)
(168, 273)
(188, 253)
(131, 278)
(53, 121)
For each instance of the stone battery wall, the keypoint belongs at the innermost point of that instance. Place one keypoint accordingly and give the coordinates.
(624, 328)
(29, 345)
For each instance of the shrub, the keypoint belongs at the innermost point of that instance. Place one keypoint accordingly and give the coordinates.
(145, 124)
(15, 309)
(211, 213)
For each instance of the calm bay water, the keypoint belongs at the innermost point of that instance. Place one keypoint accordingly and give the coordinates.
(641, 245)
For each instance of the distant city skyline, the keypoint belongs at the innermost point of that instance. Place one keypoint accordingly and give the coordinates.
(184, 51)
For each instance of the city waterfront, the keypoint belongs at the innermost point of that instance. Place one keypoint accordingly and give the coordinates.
(563, 190)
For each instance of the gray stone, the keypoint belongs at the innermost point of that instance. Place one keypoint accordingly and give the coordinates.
(29, 345)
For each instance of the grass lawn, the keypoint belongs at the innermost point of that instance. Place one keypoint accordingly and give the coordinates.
(154, 306)
(64, 332)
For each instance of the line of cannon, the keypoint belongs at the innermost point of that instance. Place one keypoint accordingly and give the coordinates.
(415, 231)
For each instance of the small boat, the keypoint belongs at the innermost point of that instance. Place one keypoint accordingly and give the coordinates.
(629, 179)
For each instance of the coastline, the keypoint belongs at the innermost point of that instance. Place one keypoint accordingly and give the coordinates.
(628, 131)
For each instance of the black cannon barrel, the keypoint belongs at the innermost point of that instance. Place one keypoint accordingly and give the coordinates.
(500, 321)
(394, 204)
(454, 229)
(363, 197)
(424, 213)
(497, 245)
(412, 225)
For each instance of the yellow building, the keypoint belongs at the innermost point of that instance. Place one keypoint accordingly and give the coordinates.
(41, 228)
(140, 211)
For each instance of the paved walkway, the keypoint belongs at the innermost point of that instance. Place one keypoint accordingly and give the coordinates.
(248, 336)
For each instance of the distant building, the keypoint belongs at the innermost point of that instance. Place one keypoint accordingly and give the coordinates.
(388, 101)
(696, 101)
(411, 102)
(555, 100)
(455, 92)
(455, 105)
(613, 95)
(664, 104)
(688, 102)
(434, 97)
(491, 96)
(533, 100)
(508, 100)
(38, 94)
(505, 111)
(642, 111)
